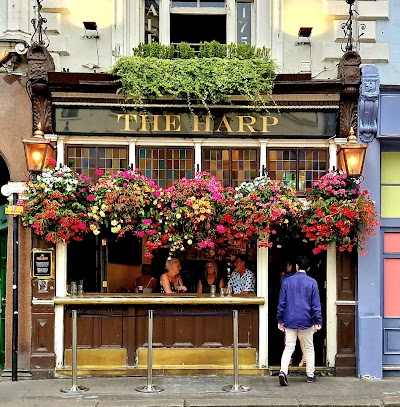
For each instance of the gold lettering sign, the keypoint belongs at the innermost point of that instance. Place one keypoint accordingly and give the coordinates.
(192, 123)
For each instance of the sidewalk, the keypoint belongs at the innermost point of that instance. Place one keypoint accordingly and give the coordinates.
(202, 391)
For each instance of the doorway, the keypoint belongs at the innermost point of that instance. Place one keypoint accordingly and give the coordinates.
(291, 249)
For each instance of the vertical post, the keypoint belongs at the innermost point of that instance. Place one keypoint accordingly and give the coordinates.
(150, 388)
(235, 388)
(74, 388)
(74, 349)
(14, 369)
(235, 350)
(150, 351)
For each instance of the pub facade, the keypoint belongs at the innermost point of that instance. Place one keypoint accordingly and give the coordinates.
(294, 139)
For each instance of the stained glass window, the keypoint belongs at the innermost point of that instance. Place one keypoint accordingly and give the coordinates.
(298, 168)
(166, 165)
(230, 165)
(85, 160)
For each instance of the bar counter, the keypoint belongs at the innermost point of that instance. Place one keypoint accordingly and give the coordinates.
(189, 329)
(158, 299)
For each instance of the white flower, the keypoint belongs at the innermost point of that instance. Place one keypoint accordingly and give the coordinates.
(178, 216)
(189, 242)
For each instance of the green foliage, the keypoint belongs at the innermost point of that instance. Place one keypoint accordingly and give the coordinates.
(216, 73)
(184, 51)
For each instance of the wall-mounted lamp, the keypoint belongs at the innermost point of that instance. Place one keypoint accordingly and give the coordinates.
(351, 156)
(38, 151)
(91, 29)
(303, 37)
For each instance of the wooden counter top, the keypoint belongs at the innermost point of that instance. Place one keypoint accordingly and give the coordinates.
(157, 299)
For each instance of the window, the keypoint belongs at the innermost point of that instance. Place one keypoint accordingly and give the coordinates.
(85, 160)
(198, 3)
(166, 165)
(298, 168)
(197, 21)
(390, 184)
(231, 166)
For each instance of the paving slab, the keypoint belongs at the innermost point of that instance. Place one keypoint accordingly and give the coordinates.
(203, 391)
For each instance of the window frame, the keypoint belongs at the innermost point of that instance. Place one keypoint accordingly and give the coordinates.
(97, 147)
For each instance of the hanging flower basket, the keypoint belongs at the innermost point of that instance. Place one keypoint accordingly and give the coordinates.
(125, 201)
(263, 207)
(339, 212)
(190, 213)
(57, 205)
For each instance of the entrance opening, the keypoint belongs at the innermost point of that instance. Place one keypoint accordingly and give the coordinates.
(291, 249)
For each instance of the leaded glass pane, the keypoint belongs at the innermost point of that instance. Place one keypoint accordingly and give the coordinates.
(300, 172)
(87, 160)
(167, 165)
(231, 166)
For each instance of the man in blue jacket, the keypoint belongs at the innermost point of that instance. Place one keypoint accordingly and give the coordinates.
(299, 311)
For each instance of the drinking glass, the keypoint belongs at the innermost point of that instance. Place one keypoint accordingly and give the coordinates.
(213, 290)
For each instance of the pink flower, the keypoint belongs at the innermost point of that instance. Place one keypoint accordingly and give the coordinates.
(99, 172)
(139, 233)
(147, 221)
(220, 229)
(90, 197)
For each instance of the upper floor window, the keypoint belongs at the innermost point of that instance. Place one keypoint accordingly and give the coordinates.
(197, 21)
(198, 3)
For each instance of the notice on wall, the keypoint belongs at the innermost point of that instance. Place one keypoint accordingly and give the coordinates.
(42, 263)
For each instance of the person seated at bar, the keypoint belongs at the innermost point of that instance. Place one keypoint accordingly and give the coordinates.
(171, 281)
(242, 280)
(209, 278)
(146, 281)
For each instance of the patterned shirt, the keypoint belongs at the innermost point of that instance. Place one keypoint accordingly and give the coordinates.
(239, 283)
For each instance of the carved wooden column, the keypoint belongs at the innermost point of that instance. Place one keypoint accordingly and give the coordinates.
(345, 361)
(350, 74)
(39, 63)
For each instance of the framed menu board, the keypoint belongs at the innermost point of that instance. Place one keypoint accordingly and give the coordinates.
(42, 263)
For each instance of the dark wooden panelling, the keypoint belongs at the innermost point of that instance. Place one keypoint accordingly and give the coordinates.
(346, 276)
(129, 328)
(42, 355)
(345, 360)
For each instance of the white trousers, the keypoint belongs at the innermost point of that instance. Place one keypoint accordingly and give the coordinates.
(290, 344)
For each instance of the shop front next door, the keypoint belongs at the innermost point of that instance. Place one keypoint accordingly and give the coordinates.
(391, 298)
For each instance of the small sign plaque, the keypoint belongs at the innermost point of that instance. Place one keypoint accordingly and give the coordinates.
(13, 210)
(42, 263)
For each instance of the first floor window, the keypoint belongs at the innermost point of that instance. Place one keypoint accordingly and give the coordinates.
(166, 165)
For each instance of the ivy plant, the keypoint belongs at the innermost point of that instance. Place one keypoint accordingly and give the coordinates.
(210, 76)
